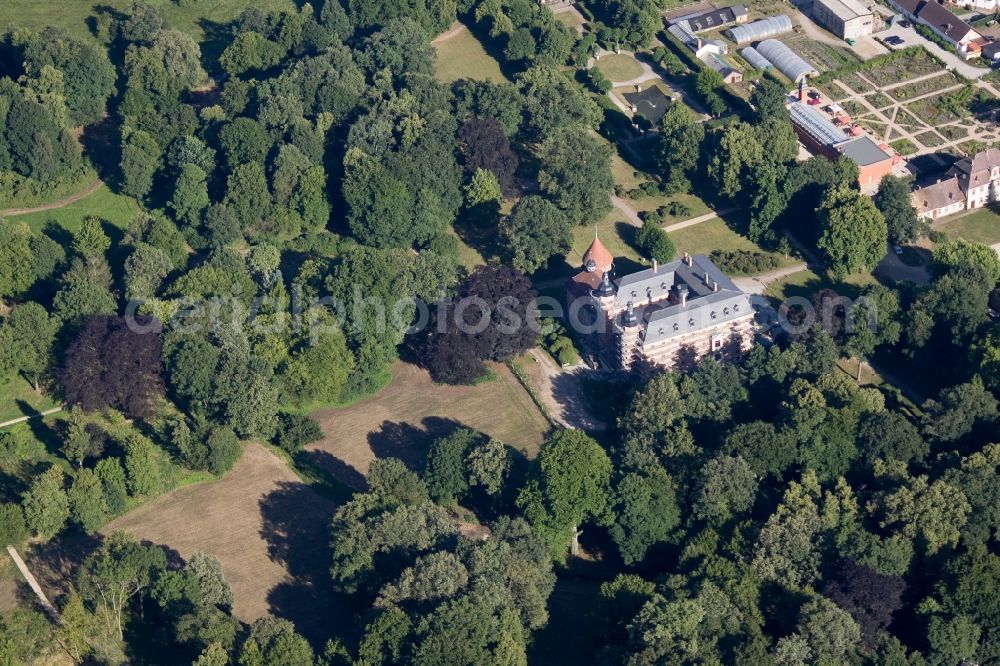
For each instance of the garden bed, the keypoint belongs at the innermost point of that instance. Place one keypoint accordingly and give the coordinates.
(903, 146)
(930, 138)
(923, 87)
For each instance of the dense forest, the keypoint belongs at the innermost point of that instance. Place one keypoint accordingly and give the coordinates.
(755, 510)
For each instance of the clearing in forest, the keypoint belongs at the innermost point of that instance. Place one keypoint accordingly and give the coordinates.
(402, 419)
(269, 530)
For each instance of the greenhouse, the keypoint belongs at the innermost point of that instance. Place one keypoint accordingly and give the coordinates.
(761, 29)
(785, 60)
(756, 60)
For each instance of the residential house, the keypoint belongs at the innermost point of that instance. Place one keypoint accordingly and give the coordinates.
(971, 183)
(944, 23)
(979, 177)
(942, 198)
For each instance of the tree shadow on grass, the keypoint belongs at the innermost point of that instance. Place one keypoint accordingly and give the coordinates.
(335, 467)
(296, 527)
(55, 563)
(217, 37)
(49, 436)
(101, 146)
(410, 442)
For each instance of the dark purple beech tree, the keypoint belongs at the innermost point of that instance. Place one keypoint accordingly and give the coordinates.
(870, 597)
(458, 340)
(485, 146)
(110, 364)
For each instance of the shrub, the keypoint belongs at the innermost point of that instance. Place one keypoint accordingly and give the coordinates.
(295, 431)
(555, 340)
(655, 242)
(13, 529)
(744, 262)
(223, 450)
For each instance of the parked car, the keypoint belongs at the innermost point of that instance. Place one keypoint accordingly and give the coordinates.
(904, 24)
(893, 40)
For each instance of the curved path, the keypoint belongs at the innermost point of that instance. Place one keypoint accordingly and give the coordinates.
(456, 29)
(61, 203)
(646, 74)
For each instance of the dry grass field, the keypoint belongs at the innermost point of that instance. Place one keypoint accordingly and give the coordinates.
(269, 530)
(403, 418)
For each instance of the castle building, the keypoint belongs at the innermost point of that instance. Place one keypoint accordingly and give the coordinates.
(682, 310)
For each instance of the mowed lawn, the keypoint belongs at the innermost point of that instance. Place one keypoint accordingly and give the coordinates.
(116, 209)
(981, 226)
(715, 234)
(402, 419)
(193, 19)
(19, 398)
(462, 56)
(806, 283)
(269, 530)
(619, 67)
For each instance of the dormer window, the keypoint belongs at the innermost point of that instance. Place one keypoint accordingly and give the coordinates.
(691, 321)
(725, 311)
(676, 326)
(714, 315)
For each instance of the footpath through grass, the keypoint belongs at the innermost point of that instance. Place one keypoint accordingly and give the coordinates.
(462, 56)
(116, 209)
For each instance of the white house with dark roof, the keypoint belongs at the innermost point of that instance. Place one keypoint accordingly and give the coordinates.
(944, 23)
(971, 183)
(686, 308)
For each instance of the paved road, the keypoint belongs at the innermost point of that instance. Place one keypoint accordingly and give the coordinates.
(561, 390)
(911, 37)
(625, 207)
(894, 268)
(646, 74)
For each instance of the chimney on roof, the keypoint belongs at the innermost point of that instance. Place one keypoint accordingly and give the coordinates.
(802, 90)
(656, 265)
(687, 259)
(682, 292)
(715, 286)
(697, 44)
